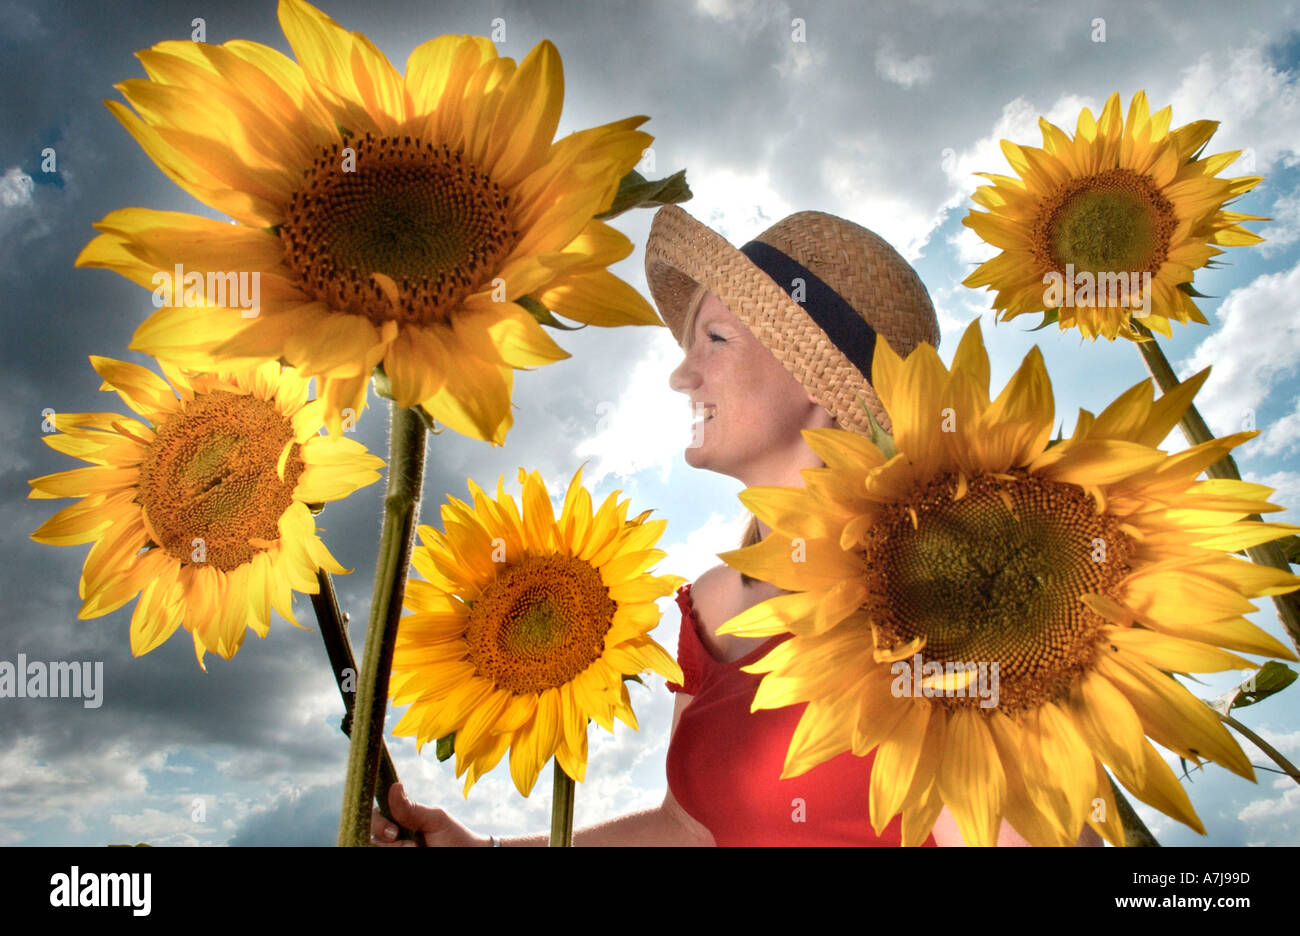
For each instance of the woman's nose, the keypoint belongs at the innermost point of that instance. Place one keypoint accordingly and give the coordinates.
(684, 377)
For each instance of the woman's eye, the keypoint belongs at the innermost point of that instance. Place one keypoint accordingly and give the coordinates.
(714, 336)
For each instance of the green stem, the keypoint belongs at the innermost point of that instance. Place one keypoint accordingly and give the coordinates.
(561, 808)
(344, 665)
(401, 509)
(1196, 432)
(1136, 833)
(1264, 746)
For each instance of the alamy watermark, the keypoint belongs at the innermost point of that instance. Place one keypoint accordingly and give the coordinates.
(1090, 290)
(951, 679)
(38, 680)
(222, 289)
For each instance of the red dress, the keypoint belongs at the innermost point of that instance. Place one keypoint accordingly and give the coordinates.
(724, 763)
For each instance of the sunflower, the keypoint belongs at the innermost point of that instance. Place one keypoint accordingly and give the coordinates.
(203, 508)
(392, 220)
(527, 626)
(1078, 575)
(1124, 198)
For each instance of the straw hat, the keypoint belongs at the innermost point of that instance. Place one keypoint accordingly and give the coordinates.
(816, 290)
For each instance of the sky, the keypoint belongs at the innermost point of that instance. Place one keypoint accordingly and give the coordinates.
(880, 114)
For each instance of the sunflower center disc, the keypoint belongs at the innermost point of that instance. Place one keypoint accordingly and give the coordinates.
(209, 484)
(1112, 222)
(420, 214)
(540, 623)
(983, 585)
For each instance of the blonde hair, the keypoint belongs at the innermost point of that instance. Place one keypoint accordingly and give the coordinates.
(692, 312)
(752, 535)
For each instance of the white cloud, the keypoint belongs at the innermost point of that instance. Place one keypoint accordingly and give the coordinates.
(901, 71)
(16, 188)
(1257, 344)
(860, 186)
(1258, 106)
(799, 58)
(1284, 229)
(1281, 436)
(1273, 808)
(175, 826)
(737, 203)
(1017, 123)
(1286, 493)
(698, 552)
(647, 426)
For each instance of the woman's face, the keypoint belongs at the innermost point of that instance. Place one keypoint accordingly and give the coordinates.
(750, 409)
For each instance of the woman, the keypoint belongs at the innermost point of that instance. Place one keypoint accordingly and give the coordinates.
(779, 337)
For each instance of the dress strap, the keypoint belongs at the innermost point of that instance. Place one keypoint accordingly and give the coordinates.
(691, 654)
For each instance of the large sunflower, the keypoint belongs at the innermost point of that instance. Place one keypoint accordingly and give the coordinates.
(1089, 571)
(527, 626)
(204, 508)
(1123, 197)
(392, 220)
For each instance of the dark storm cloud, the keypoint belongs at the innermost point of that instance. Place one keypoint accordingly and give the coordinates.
(876, 93)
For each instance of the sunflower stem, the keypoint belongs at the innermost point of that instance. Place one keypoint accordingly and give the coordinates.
(401, 509)
(344, 665)
(1136, 833)
(1196, 432)
(561, 808)
(1264, 746)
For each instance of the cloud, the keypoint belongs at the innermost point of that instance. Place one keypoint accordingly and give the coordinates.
(1257, 103)
(1284, 230)
(16, 188)
(1257, 344)
(1286, 494)
(904, 72)
(863, 192)
(1018, 123)
(737, 202)
(1276, 809)
(649, 424)
(1280, 437)
(698, 552)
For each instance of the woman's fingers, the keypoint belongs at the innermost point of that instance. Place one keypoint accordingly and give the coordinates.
(435, 825)
(411, 816)
(381, 830)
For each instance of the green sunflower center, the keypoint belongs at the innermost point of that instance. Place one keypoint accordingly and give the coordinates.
(540, 623)
(420, 214)
(997, 577)
(1114, 222)
(209, 485)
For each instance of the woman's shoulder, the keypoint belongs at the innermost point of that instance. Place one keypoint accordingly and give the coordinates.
(715, 590)
(717, 596)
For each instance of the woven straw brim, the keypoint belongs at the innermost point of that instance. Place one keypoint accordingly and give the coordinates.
(864, 270)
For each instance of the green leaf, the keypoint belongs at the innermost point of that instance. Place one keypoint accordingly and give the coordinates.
(1191, 291)
(543, 315)
(636, 191)
(1050, 317)
(879, 437)
(1269, 679)
(382, 385)
(446, 746)
(633, 677)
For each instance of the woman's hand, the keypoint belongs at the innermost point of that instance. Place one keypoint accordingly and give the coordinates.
(435, 825)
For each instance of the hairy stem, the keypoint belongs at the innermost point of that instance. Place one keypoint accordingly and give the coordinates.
(401, 510)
